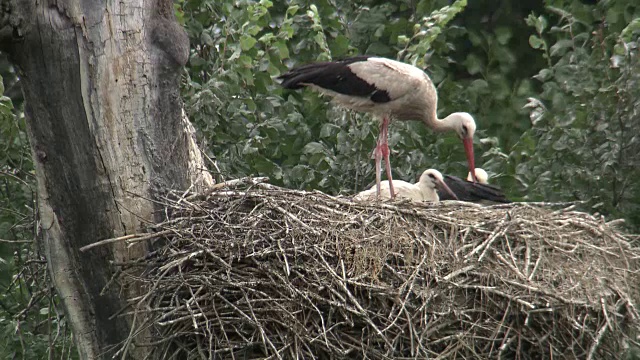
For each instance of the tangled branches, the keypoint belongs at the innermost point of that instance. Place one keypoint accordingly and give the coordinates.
(263, 272)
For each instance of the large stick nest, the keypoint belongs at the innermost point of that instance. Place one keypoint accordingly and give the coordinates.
(256, 271)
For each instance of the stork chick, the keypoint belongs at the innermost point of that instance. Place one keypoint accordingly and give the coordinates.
(423, 190)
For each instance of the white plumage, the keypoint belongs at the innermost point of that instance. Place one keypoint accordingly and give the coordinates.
(481, 176)
(423, 190)
(400, 81)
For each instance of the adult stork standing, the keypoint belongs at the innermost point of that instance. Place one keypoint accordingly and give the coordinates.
(479, 191)
(388, 89)
(424, 190)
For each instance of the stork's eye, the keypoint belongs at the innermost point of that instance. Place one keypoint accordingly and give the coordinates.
(433, 177)
(465, 130)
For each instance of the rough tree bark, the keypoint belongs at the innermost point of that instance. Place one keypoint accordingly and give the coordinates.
(101, 85)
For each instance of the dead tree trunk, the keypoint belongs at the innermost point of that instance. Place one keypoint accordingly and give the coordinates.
(101, 85)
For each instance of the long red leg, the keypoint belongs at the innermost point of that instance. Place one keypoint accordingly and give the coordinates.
(377, 155)
(387, 165)
(385, 153)
(382, 151)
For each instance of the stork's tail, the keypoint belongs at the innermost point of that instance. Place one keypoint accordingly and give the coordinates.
(474, 192)
(488, 192)
(333, 75)
(302, 76)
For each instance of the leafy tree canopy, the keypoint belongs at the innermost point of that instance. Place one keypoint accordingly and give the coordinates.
(551, 85)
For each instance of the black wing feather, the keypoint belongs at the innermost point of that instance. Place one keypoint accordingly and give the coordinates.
(472, 192)
(335, 76)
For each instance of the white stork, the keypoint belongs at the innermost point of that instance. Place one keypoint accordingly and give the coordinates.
(387, 88)
(480, 192)
(423, 190)
(481, 176)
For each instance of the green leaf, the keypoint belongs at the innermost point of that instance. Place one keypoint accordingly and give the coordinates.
(378, 48)
(247, 42)
(476, 39)
(263, 166)
(560, 145)
(292, 10)
(328, 130)
(247, 75)
(319, 38)
(503, 35)
(541, 24)
(474, 64)
(561, 47)
(478, 85)
(620, 50)
(267, 38)
(536, 42)
(630, 30)
(313, 148)
(339, 46)
(206, 38)
(253, 29)
(197, 61)
(282, 49)
(544, 75)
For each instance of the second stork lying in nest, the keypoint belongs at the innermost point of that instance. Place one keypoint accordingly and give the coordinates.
(480, 191)
(424, 190)
(433, 186)
(388, 89)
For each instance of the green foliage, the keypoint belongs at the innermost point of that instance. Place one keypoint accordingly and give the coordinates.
(231, 94)
(584, 141)
(30, 326)
(545, 76)
(254, 127)
(427, 31)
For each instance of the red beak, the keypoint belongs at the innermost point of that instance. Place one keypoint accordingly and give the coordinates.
(443, 186)
(468, 149)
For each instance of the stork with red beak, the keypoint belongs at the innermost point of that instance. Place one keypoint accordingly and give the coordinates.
(388, 89)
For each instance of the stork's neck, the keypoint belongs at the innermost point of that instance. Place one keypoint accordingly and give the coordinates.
(428, 192)
(438, 125)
